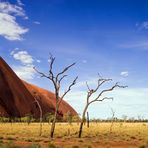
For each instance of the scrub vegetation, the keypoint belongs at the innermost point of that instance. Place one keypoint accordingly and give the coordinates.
(124, 134)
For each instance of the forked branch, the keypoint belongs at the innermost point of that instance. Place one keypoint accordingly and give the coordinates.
(63, 71)
(69, 88)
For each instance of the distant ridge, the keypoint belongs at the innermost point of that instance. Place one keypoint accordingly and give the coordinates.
(16, 96)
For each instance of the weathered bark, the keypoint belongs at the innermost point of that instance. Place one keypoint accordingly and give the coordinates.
(82, 121)
(112, 120)
(52, 128)
(41, 119)
(53, 124)
(41, 112)
(81, 128)
(87, 119)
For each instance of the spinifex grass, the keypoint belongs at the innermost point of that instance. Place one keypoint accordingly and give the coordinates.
(96, 134)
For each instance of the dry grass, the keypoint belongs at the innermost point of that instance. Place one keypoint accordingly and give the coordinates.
(135, 134)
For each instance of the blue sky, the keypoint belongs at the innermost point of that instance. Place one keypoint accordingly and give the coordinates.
(105, 36)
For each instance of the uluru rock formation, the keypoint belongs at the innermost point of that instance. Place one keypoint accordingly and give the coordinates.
(17, 96)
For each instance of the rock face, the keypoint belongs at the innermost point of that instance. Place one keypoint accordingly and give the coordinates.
(17, 96)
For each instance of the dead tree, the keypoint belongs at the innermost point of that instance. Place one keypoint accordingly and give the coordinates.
(87, 119)
(56, 80)
(99, 97)
(36, 97)
(112, 120)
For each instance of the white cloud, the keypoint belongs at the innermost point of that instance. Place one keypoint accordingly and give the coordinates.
(22, 56)
(25, 70)
(124, 73)
(36, 22)
(7, 8)
(9, 28)
(38, 61)
(84, 61)
(20, 3)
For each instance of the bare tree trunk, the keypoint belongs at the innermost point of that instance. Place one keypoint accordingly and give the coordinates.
(87, 119)
(111, 127)
(41, 113)
(53, 124)
(112, 120)
(81, 128)
(41, 119)
(82, 121)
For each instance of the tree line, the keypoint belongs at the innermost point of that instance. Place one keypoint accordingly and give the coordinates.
(47, 118)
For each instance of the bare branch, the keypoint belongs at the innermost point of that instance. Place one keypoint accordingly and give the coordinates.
(41, 73)
(52, 59)
(62, 78)
(110, 89)
(59, 81)
(106, 98)
(65, 69)
(69, 88)
(113, 112)
(100, 100)
(88, 96)
(101, 82)
(92, 91)
(87, 86)
(48, 77)
(100, 76)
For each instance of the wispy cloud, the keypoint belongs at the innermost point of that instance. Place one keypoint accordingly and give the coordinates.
(143, 25)
(20, 3)
(36, 22)
(9, 28)
(141, 45)
(124, 73)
